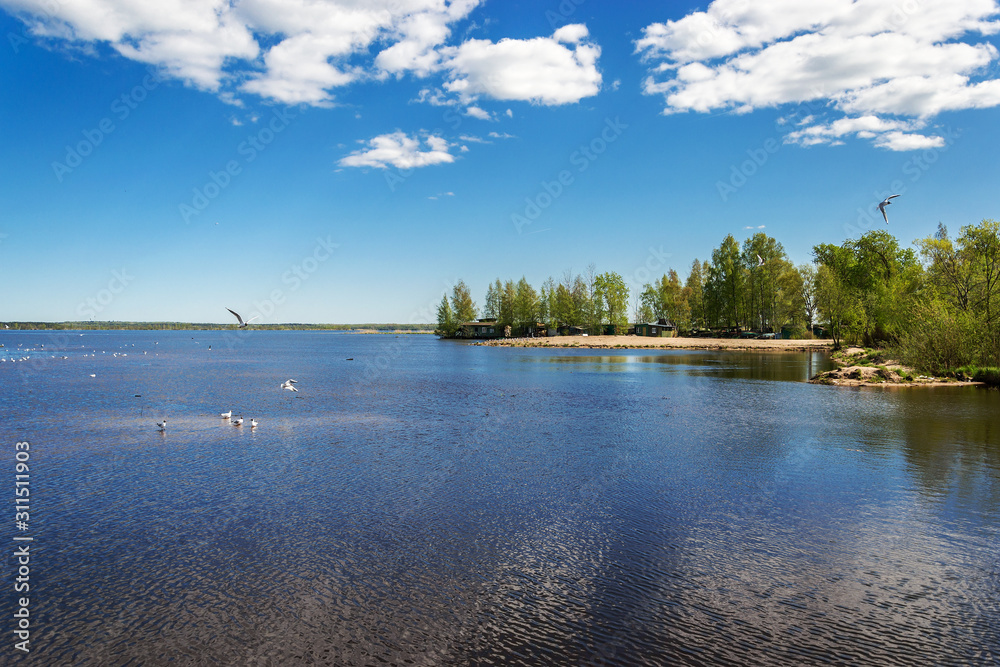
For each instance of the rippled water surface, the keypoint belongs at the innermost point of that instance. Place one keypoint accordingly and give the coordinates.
(423, 502)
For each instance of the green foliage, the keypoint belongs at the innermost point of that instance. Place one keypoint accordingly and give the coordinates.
(612, 293)
(447, 326)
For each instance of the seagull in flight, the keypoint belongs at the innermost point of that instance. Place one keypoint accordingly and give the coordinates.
(243, 325)
(289, 385)
(886, 202)
(760, 262)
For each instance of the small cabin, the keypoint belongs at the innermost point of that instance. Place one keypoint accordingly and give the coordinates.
(661, 328)
(480, 329)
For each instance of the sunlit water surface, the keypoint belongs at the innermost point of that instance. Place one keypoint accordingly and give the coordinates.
(424, 502)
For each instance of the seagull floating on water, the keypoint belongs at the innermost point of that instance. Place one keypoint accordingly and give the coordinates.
(226, 415)
(253, 423)
(289, 385)
(162, 425)
(886, 202)
(242, 325)
(238, 421)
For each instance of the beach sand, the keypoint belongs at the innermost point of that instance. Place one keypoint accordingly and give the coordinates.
(647, 342)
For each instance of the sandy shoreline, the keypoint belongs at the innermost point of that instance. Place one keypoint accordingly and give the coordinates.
(646, 342)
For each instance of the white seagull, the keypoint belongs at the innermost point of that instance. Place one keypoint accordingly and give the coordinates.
(886, 202)
(253, 423)
(162, 425)
(760, 262)
(238, 421)
(289, 385)
(226, 415)
(242, 325)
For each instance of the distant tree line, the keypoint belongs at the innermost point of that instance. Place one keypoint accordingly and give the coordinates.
(189, 326)
(938, 306)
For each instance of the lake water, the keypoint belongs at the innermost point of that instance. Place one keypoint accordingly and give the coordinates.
(428, 502)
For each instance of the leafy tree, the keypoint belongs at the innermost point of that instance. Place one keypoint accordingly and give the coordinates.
(491, 309)
(881, 276)
(611, 293)
(727, 281)
(695, 286)
(836, 301)
(525, 305)
(807, 272)
(446, 319)
(508, 294)
(462, 305)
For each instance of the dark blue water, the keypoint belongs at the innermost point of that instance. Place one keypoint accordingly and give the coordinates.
(435, 503)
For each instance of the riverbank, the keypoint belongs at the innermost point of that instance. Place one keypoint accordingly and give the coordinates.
(857, 367)
(632, 342)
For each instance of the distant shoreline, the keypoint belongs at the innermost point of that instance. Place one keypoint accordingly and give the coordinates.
(207, 326)
(632, 342)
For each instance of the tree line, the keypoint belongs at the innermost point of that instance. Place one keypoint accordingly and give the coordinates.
(751, 286)
(938, 306)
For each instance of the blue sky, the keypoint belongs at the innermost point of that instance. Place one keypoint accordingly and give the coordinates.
(312, 163)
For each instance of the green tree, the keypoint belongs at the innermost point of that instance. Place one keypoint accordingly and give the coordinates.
(611, 293)
(835, 300)
(446, 327)
(491, 309)
(727, 281)
(462, 305)
(525, 305)
(695, 286)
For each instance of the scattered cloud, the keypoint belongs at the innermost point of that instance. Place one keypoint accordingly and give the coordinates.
(401, 151)
(561, 69)
(476, 112)
(303, 51)
(898, 63)
(757, 227)
(501, 135)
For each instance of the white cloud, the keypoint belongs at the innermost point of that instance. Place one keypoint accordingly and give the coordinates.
(898, 63)
(401, 151)
(542, 70)
(476, 112)
(303, 51)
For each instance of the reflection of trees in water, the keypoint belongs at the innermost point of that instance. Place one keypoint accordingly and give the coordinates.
(952, 441)
(777, 366)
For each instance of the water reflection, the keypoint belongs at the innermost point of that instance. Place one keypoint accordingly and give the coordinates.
(439, 504)
(772, 366)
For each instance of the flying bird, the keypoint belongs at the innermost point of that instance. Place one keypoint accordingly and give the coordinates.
(881, 207)
(289, 385)
(242, 325)
(760, 262)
